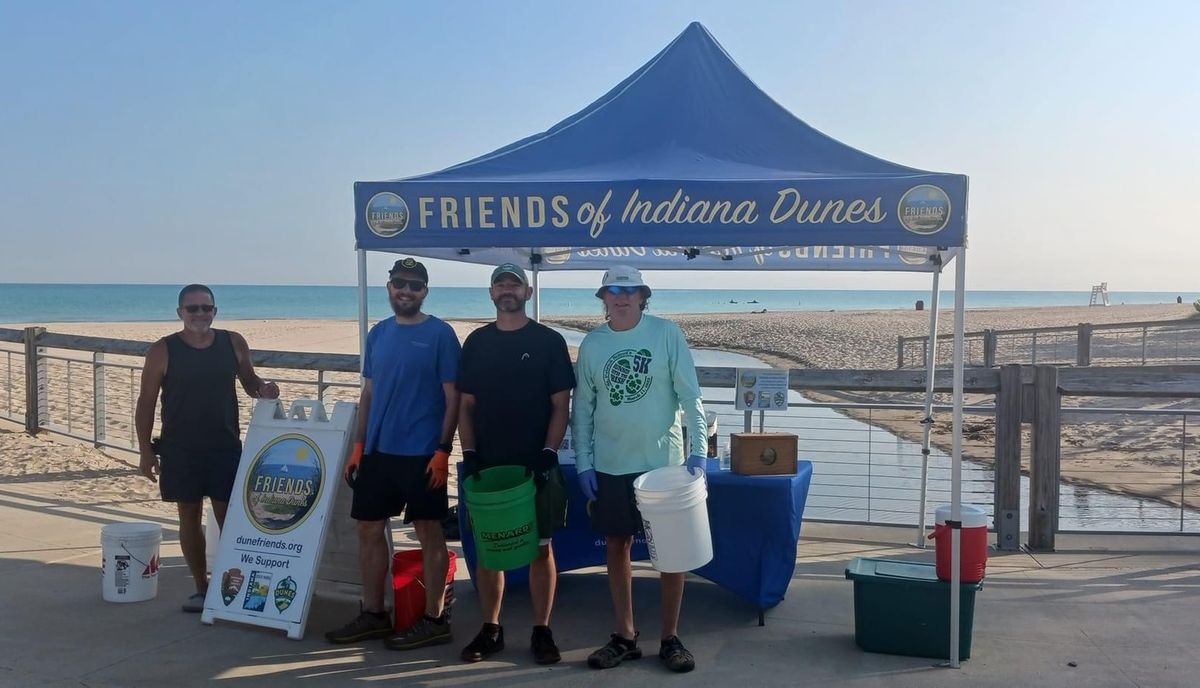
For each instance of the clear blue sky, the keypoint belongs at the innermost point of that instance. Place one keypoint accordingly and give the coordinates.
(165, 142)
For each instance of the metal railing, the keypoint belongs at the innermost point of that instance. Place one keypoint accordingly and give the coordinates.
(1116, 344)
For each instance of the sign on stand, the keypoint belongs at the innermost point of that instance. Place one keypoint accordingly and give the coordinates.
(761, 389)
(266, 563)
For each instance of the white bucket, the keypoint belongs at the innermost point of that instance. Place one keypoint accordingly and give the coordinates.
(129, 571)
(674, 510)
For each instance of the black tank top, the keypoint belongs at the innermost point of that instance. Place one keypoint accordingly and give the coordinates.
(199, 402)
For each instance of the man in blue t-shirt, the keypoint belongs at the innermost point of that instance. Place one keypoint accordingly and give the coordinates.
(407, 415)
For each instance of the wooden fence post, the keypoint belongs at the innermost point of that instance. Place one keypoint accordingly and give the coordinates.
(899, 353)
(1007, 497)
(1044, 463)
(1083, 349)
(989, 348)
(99, 414)
(36, 407)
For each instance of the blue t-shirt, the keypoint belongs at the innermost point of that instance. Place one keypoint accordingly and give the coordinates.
(407, 365)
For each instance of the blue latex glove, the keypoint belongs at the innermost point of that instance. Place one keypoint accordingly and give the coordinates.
(587, 484)
(695, 461)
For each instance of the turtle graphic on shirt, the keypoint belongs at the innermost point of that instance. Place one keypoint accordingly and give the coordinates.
(627, 376)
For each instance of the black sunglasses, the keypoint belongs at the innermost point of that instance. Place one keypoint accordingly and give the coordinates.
(399, 283)
(196, 308)
(614, 290)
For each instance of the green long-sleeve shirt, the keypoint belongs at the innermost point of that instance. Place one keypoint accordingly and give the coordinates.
(631, 387)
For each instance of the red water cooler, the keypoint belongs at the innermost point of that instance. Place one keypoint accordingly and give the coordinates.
(973, 543)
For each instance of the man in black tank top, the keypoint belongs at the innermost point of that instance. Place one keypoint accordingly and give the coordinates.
(200, 446)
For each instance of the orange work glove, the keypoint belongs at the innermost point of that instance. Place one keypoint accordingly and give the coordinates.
(438, 469)
(351, 472)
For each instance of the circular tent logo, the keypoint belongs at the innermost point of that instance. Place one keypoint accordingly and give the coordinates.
(924, 209)
(914, 255)
(556, 255)
(387, 214)
(284, 483)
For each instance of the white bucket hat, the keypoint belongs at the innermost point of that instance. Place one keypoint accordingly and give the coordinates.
(623, 276)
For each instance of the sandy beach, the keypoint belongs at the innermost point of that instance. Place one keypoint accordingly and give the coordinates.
(1114, 453)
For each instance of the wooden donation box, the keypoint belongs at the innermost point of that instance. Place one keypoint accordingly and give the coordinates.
(763, 453)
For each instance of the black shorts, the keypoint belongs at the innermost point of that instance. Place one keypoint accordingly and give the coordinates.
(615, 511)
(390, 484)
(192, 475)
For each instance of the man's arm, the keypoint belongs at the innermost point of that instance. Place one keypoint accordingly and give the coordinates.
(255, 386)
(560, 413)
(364, 411)
(450, 420)
(466, 421)
(582, 422)
(153, 371)
(687, 390)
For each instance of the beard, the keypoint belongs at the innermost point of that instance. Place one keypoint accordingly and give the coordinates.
(406, 309)
(509, 303)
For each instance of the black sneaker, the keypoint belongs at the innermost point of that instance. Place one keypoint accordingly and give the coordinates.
(676, 656)
(365, 626)
(487, 642)
(424, 632)
(542, 644)
(615, 651)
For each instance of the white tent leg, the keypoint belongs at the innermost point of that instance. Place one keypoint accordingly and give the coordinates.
(362, 308)
(960, 281)
(537, 294)
(927, 419)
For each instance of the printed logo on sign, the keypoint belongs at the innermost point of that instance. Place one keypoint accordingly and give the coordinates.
(257, 591)
(285, 592)
(284, 483)
(924, 209)
(914, 255)
(231, 585)
(627, 376)
(387, 214)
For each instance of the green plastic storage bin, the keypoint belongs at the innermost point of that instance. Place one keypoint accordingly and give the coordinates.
(901, 608)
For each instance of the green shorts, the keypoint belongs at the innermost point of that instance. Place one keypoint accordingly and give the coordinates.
(550, 502)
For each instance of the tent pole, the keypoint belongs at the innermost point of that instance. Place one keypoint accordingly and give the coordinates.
(927, 418)
(362, 308)
(960, 281)
(537, 294)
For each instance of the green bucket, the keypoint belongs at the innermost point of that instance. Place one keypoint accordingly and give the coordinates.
(503, 517)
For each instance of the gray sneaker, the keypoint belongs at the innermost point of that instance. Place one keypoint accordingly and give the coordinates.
(365, 626)
(421, 634)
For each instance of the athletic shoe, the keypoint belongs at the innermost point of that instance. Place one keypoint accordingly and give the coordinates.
(365, 626)
(194, 604)
(615, 651)
(542, 644)
(487, 642)
(676, 656)
(423, 633)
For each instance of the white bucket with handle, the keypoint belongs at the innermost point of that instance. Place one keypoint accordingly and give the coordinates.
(129, 571)
(674, 506)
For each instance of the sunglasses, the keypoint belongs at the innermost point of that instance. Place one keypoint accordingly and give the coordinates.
(399, 283)
(614, 290)
(194, 308)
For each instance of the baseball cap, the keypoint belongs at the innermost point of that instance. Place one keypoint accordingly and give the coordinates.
(411, 266)
(510, 269)
(623, 276)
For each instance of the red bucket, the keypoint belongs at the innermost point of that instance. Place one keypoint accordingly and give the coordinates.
(973, 543)
(408, 588)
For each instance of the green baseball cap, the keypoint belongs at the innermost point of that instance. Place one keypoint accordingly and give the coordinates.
(510, 269)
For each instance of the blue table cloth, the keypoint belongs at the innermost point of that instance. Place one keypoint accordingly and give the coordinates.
(755, 523)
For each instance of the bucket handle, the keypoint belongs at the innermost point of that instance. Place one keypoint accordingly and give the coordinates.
(132, 555)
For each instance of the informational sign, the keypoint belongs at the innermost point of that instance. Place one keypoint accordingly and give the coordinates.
(761, 389)
(566, 450)
(266, 563)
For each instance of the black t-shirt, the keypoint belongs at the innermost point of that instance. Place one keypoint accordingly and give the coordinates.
(512, 376)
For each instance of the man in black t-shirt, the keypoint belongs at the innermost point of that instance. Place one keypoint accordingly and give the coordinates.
(515, 379)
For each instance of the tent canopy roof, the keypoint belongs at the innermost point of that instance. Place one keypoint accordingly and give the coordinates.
(685, 152)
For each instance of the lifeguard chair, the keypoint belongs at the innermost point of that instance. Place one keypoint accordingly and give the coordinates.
(1099, 295)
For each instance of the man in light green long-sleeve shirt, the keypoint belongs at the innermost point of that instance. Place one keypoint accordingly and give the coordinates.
(635, 374)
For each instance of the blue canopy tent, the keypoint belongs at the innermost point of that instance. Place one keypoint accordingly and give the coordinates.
(686, 164)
